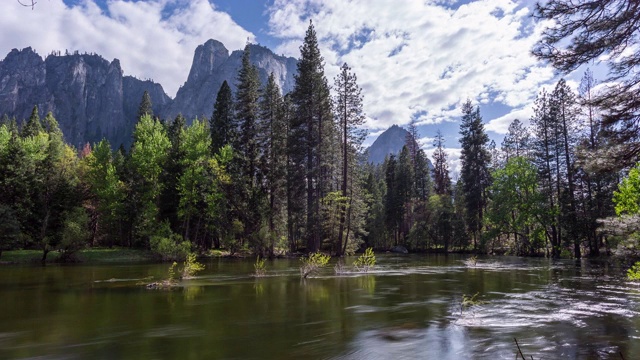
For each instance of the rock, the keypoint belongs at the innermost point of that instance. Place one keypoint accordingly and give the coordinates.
(91, 99)
(212, 65)
(389, 142)
(399, 250)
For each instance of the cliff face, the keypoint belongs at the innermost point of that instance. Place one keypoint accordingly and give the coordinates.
(212, 65)
(91, 99)
(389, 142)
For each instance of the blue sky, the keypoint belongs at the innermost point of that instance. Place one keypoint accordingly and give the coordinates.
(414, 59)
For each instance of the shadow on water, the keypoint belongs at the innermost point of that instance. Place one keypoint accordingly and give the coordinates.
(408, 307)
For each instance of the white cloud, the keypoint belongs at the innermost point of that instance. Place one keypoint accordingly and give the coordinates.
(421, 59)
(501, 124)
(153, 39)
(453, 160)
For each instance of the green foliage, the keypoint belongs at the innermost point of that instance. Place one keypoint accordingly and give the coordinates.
(168, 245)
(469, 301)
(191, 266)
(222, 130)
(516, 206)
(260, 267)
(633, 274)
(75, 232)
(171, 279)
(474, 174)
(366, 261)
(627, 197)
(313, 263)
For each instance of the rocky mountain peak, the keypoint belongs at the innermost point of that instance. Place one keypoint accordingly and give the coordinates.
(206, 59)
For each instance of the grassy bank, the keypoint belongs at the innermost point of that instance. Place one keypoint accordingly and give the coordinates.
(90, 256)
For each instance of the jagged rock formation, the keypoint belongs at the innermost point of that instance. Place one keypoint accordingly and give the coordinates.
(91, 99)
(212, 65)
(88, 95)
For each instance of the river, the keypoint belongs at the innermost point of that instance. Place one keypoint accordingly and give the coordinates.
(407, 307)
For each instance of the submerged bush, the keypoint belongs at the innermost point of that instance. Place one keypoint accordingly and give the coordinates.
(312, 263)
(191, 266)
(260, 267)
(366, 261)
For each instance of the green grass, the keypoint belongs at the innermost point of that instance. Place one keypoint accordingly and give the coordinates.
(25, 256)
(89, 256)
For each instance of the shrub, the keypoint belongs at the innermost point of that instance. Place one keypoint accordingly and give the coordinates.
(172, 273)
(312, 263)
(260, 267)
(633, 274)
(366, 261)
(169, 246)
(191, 266)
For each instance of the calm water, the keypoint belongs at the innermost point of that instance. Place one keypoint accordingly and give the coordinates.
(407, 308)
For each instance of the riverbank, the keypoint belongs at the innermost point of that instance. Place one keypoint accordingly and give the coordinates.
(89, 256)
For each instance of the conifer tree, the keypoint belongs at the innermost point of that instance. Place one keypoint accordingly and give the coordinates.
(604, 30)
(33, 126)
(350, 116)
(250, 198)
(543, 146)
(475, 167)
(516, 141)
(272, 140)
(312, 127)
(222, 129)
(145, 107)
(441, 179)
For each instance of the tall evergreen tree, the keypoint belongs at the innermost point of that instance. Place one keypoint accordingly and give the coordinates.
(350, 117)
(543, 146)
(516, 141)
(441, 179)
(475, 167)
(272, 136)
(563, 108)
(586, 30)
(250, 197)
(312, 126)
(33, 125)
(222, 125)
(145, 107)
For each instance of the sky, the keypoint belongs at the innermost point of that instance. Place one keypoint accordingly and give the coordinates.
(415, 60)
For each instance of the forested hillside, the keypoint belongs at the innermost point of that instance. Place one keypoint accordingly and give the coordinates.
(276, 174)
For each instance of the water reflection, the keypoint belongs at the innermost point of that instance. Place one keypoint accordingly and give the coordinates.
(408, 307)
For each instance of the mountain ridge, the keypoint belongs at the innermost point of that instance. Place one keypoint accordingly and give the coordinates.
(92, 99)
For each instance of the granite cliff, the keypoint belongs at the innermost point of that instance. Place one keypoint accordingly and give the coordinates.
(91, 99)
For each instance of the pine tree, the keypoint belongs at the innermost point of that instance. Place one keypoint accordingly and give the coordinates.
(272, 140)
(586, 30)
(350, 117)
(543, 146)
(516, 141)
(33, 125)
(411, 139)
(249, 195)
(145, 107)
(173, 170)
(222, 129)
(312, 126)
(441, 179)
(563, 107)
(475, 167)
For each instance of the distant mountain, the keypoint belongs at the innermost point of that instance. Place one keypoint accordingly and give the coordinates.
(91, 99)
(390, 141)
(212, 65)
